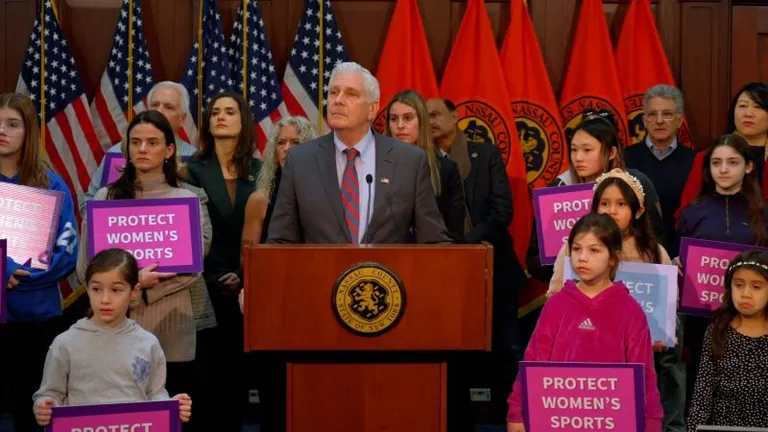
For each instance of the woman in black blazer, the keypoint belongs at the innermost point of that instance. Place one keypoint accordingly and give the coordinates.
(407, 119)
(226, 169)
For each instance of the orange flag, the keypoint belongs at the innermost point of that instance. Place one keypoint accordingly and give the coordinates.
(475, 82)
(642, 63)
(533, 103)
(405, 61)
(591, 80)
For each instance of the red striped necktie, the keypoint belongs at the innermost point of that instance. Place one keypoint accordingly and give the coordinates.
(350, 194)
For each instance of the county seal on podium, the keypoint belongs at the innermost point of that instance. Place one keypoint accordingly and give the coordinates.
(368, 299)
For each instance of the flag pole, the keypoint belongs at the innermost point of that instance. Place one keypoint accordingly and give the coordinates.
(245, 49)
(130, 60)
(42, 74)
(320, 64)
(200, 66)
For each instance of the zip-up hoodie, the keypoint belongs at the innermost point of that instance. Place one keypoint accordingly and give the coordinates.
(617, 333)
(719, 217)
(89, 364)
(37, 296)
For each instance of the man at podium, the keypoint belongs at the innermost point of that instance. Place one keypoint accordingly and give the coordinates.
(350, 186)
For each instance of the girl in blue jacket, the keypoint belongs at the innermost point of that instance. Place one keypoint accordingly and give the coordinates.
(729, 208)
(33, 300)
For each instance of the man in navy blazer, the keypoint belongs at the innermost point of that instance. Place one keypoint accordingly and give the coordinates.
(350, 186)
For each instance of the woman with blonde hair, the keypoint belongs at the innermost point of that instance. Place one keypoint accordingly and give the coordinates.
(285, 135)
(407, 119)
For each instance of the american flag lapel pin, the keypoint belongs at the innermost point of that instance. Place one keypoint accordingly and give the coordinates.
(474, 155)
(385, 180)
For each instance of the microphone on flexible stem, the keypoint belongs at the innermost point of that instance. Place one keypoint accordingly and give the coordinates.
(369, 180)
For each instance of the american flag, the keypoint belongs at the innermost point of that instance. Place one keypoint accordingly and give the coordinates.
(260, 88)
(302, 75)
(71, 142)
(215, 67)
(110, 105)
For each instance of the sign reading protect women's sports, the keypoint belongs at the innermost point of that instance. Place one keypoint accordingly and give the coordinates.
(156, 416)
(574, 397)
(704, 264)
(164, 231)
(29, 219)
(557, 209)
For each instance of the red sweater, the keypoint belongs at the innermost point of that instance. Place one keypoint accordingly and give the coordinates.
(616, 317)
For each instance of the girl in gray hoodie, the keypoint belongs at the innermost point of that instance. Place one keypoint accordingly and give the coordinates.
(107, 357)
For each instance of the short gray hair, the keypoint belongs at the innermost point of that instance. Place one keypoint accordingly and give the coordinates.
(183, 93)
(667, 92)
(370, 83)
(306, 131)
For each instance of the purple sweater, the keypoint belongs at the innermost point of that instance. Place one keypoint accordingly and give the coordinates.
(620, 334)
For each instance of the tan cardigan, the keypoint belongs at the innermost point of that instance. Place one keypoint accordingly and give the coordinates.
(628, 253)
(169, 313)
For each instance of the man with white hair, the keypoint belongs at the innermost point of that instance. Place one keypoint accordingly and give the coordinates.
(350, 186)
(172, 100)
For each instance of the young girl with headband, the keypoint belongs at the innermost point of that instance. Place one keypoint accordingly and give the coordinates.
(733, 376)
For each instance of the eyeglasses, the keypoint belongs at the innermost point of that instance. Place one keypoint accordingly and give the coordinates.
(666, 116)
(12, 126)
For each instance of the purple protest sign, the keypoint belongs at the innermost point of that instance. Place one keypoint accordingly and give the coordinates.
(704, 264)
(571, 397)
(3, 277)
(113, 167)
(29, 219)
(156, 416)
(166, 231)
(556, 210)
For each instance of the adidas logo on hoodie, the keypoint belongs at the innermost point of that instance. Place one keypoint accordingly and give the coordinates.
(586, 325)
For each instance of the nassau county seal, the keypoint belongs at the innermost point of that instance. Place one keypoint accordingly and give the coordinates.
(368, 299)
(483, 123)
(572, 115)
(542, 141)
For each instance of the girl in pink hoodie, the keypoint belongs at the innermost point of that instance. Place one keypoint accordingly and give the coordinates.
(618, 329)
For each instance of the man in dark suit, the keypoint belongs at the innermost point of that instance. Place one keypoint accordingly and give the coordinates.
(350, 186)
(489, 209)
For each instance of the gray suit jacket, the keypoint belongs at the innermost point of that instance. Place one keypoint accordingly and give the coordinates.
(309, 208)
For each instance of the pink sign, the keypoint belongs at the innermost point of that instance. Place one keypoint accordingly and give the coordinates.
(557, 209)
(704, 264)
(164, 231)
(113, 166)
(159, 416)
(573, 397)
(29, 218)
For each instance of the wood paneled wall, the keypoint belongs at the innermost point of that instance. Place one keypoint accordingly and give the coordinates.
(713, 46)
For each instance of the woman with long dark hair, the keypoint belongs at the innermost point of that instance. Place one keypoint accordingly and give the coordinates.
(166, 309)
(33, 301)
(226, 169)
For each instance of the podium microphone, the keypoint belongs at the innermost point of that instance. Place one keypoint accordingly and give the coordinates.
(369, 180)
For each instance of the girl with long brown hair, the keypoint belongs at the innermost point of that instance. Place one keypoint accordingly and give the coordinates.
(407, 119)
(33, 301)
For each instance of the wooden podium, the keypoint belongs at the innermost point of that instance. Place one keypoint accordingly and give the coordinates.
(338, 379)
